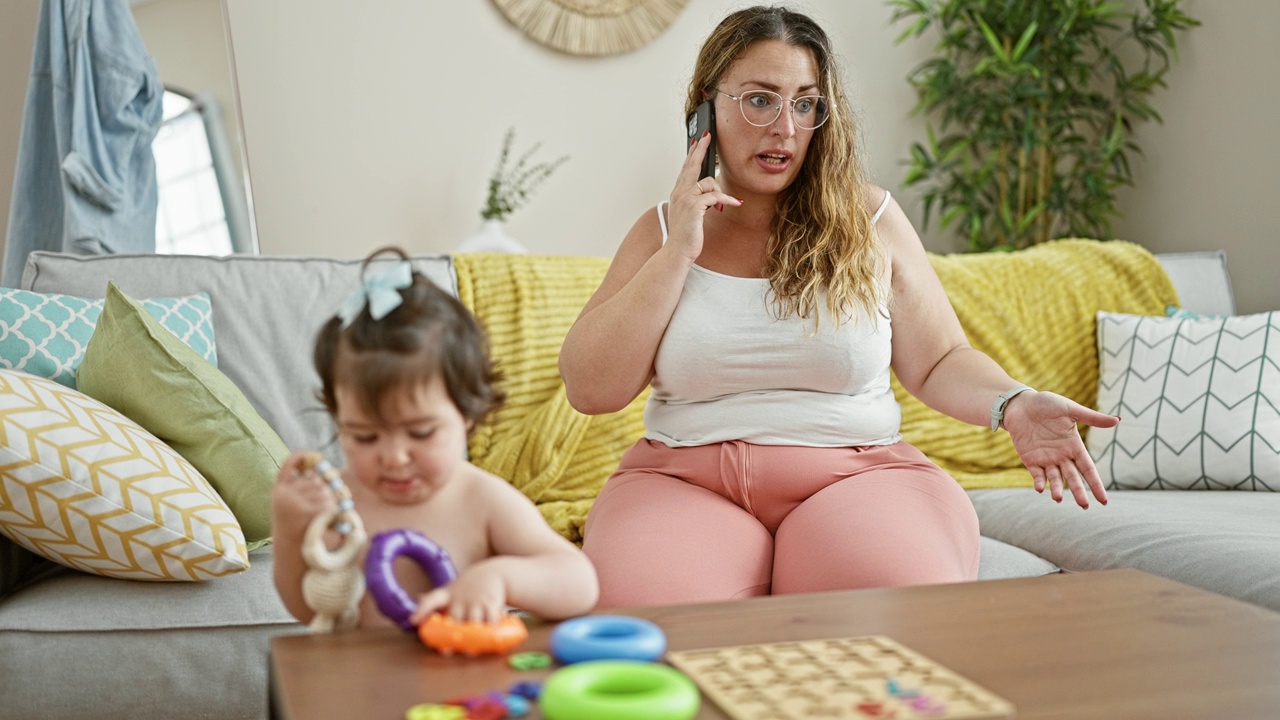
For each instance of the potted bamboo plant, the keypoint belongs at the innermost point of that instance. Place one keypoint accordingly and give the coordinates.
(1030, 109)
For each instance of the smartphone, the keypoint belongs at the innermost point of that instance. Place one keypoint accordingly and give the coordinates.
(702, 119)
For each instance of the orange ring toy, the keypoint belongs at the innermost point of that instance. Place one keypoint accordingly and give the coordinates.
(447, 636)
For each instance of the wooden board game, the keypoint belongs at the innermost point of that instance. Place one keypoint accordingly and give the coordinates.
(856, 678)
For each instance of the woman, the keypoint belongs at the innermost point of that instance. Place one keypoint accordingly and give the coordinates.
(765, 306)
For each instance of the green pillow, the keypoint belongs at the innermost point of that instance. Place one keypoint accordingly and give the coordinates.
(146, 373)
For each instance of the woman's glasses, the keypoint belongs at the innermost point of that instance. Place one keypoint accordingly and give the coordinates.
(762, 108)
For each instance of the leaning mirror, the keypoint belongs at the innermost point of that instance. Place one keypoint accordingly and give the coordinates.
(205, 207)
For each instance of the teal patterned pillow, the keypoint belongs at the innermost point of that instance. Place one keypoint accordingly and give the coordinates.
(45, 334)
(1179, 313)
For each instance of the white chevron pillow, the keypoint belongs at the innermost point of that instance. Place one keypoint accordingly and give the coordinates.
(85, 486)
(1199, 400)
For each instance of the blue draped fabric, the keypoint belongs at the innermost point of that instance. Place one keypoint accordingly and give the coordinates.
(86, 181)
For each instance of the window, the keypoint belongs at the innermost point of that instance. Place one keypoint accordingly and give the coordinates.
(201, 207)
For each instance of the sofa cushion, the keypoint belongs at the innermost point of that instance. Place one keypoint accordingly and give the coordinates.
(266, 313)
(45, 334)
(136, 367)
(78, 645)
(998, 560)
(86, 487)
(1199, 398)
(1222, 542)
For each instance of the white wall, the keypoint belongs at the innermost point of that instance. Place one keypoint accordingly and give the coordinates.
(381, 122)
(17, 38)
(1211, 172)
(375, 123)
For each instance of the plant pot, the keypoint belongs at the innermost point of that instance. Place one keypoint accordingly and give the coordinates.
(492, 237)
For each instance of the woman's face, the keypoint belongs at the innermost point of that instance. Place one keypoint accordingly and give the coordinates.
(764, 160)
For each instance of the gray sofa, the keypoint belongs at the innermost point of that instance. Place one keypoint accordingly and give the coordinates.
(74, 645)
(1226, 542)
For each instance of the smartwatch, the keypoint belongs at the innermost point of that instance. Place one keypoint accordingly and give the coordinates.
(997, 407)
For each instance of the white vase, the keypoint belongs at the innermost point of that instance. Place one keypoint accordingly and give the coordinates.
(491, 237)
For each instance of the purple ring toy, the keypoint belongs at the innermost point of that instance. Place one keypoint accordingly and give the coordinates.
(380, 578)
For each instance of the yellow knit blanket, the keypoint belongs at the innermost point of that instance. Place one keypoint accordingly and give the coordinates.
(557, 456)
(1033, 311)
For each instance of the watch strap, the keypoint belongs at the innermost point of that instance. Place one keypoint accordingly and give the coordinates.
(997, 407)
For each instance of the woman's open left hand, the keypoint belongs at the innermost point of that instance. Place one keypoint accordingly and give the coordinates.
(1044, 429)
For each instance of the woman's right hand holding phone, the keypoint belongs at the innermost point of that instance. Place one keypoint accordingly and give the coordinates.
(691, 199)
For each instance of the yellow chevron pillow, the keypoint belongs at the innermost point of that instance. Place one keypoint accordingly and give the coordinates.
(84, 486)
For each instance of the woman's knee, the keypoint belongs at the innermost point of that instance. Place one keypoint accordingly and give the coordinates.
(657, 540)
(905, 528)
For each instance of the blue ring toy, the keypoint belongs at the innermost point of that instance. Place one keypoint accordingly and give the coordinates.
(619, 690)
(607, 637)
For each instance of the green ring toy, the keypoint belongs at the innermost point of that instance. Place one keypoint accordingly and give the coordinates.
(619, 690)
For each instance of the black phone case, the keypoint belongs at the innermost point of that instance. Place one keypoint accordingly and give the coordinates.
(702, 119)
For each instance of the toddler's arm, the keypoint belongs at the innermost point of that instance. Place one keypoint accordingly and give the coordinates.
(532, 568)
(296, 499)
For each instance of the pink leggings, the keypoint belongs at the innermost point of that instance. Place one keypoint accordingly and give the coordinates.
(730, 520)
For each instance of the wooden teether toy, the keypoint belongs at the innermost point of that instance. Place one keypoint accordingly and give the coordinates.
(334, 583)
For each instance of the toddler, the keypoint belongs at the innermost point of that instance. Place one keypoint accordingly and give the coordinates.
(405, 374)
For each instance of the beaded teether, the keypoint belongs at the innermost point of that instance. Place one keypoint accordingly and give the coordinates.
(333, 584)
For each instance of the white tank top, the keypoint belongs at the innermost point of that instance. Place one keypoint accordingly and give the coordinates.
(728, 369)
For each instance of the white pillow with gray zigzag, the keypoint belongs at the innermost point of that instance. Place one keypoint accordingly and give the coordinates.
(1199, 400)
(45, 334)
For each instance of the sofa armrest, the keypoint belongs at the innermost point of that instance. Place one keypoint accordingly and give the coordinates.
(1201, 280)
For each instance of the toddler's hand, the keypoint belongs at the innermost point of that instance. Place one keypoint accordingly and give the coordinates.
(298, 496)
(479, 594)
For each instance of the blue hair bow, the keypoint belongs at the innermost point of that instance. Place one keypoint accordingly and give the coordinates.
(381, 290)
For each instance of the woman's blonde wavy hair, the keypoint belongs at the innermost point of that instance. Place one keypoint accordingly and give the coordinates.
(822, 237)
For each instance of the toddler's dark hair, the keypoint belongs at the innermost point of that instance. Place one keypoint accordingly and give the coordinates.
(429, 333)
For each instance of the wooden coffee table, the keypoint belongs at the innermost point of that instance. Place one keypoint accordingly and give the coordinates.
(1111, 644)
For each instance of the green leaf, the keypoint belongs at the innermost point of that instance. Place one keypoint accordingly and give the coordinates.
(951, 214)
(1107, 10)
(1029, 218)
(993, 42)
(916, 30)
(1025, 41)
(953, 151)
